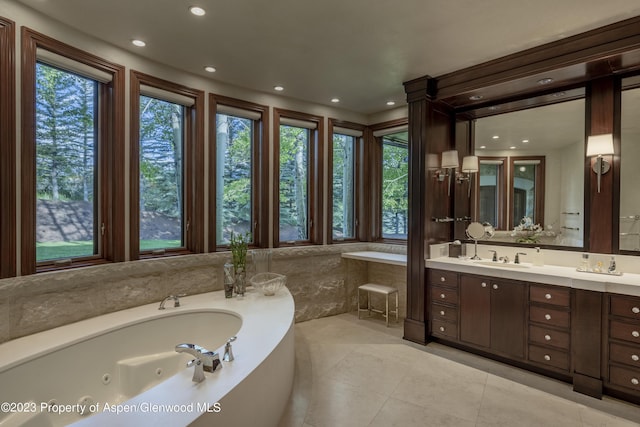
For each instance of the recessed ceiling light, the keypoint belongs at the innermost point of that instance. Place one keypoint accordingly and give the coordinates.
(558, 94)
(390, 103)
(335, 100)
(495, 137)
(138, 43)
(278, 88)
(198, 11)
(493, 108)
(545, 81)
(525, 141)
(512, 147)
(483, 147)
(210, 69)
(476, 97)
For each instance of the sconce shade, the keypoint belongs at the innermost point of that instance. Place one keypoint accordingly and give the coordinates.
(599, 145)
(450, 159)
(470, 164)
(432, 162)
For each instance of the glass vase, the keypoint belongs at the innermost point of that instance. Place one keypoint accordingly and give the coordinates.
(229, 280)
(240, 283)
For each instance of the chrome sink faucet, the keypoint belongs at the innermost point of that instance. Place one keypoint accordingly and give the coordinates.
(517, 260)
(204, 360)
(175, 298)
(495, 255)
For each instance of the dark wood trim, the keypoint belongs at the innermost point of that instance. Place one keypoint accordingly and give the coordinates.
(112, 150)
(357, 185)
(600, 119)
(316, 182)
(540, 181)
(260, 169)
(586, 333)
(7, 149)
(193, 167)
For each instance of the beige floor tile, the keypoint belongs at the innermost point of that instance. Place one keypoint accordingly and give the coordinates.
(338, 404)
(403, 414)
(594, 418)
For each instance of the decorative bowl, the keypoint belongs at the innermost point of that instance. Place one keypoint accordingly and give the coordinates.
(268, 283)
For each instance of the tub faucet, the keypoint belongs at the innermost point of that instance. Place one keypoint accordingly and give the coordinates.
(175, 298)
(228, 351)
(204, 360)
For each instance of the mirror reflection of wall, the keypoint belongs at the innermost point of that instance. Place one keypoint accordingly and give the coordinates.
(531, 165)
(629, 172)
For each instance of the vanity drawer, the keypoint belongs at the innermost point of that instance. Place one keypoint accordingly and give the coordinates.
(549, 316)
(444, 295)
(625, 377)
(624, 354)
(446, 329)
(548, 356)
(625, 331)
(444, 313)
(550, 295)
(443, 278)
(625, 306)
(548, 336)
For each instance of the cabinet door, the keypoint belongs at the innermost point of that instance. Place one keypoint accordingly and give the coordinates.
(508, 317)
(475, 310)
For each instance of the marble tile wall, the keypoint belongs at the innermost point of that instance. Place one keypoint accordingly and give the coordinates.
(321, 282)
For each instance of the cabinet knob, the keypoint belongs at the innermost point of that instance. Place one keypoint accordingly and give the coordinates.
(547, 316)
(441, 312)
(635, 334)
(443, 296)
(442, 279)
(441, 328)
(483, 284)
(547, 357)
(547, 296)
(547, 337)
(635, 381)
(636, 310)
(635, 357)
(495, 286)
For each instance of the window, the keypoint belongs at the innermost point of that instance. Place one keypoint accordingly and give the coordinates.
(66, 130)
(166, 168)
(345, 143)
(395, 185)
(7, 150)
(72, 203)
(490, 194)
(527, 189)
(298, 179)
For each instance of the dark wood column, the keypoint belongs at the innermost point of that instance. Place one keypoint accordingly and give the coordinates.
(429, 132)
(586, 335)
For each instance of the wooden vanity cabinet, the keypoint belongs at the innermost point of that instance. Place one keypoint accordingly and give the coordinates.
(492, 314)
(443, 297)
(623, 361)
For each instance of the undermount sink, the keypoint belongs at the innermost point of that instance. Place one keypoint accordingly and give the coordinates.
(501, 264)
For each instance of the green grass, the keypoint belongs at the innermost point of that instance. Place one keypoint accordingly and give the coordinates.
(61, 250)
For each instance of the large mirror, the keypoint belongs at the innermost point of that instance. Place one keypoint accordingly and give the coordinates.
(629, 171)
(530, 185)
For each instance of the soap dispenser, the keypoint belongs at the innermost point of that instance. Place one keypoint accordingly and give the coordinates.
(538, 257)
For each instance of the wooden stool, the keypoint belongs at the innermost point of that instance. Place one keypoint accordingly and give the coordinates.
(378, 289)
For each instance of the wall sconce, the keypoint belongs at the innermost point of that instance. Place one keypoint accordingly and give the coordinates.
(469, 167)
(450, 161)
(600, 145)
(433, 165)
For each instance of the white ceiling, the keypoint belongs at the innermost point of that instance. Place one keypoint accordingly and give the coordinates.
(360, 51)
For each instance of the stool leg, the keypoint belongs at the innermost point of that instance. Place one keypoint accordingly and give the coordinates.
(369, 302)
(358, 303)
(396, 307)
(387, 310)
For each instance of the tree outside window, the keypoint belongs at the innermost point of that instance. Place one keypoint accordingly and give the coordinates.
(395, 186)
(294, 191)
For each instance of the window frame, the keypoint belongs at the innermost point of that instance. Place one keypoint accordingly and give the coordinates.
(358, 149)
(7, 149)
(259, 171)
(110, 152)
(375, 158)
(315, 177)
(539, 186)
(193, 167)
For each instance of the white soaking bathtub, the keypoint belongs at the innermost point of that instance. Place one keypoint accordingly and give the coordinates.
(121, 368)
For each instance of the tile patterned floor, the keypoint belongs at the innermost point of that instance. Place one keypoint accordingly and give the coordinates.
(352, 372)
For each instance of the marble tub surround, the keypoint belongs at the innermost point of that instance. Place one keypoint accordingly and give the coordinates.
(317, 277)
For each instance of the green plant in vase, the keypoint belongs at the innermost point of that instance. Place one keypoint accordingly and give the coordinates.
(239, 245)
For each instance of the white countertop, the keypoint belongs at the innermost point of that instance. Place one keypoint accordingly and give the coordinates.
(627, 284)
(382, 257)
